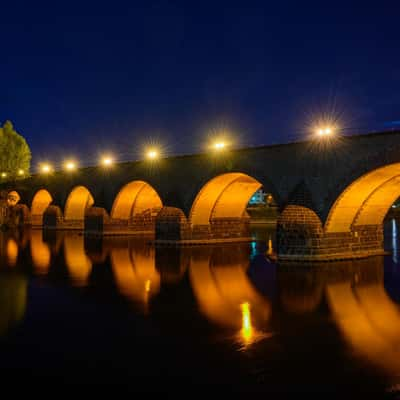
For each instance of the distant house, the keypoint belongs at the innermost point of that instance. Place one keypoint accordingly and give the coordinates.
(258, 198)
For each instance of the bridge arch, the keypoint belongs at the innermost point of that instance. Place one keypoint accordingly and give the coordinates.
(77, 202)
(134, 198)
(365, 201)
(41, 200)
(225, 196)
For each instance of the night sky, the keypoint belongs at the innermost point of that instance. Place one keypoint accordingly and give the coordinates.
(80, 78)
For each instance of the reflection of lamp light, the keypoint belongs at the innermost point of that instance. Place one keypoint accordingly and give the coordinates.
(12, 252)
(247, 330)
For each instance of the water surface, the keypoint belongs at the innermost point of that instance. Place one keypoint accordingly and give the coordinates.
(119, 310)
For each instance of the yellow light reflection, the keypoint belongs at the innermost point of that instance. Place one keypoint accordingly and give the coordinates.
(147, 285)
(12, 252)
(40, 252)
(224, 293)
(247, 329)
(78, 263)
(135, 274)
(21, 172)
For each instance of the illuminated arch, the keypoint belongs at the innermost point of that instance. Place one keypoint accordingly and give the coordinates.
(226, 195)
(40, 202)
(366, 200)
(78, 201)
(134, 198)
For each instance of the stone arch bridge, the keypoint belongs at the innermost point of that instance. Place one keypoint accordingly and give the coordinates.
(333, 195)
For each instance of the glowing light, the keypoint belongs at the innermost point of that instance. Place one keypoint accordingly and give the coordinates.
(107, 161)
(152, 154)
(70, 166)
(270, 250)
(147, 285)
(45, 168)
(4, 174)
(325, 131)
(219, 146)
(247, 329)
(21, 172)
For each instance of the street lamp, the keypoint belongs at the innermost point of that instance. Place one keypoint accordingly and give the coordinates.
(107, 161)
(152, 154)
(325, 131)
(70, 166)
(45, 168)
(219, 146)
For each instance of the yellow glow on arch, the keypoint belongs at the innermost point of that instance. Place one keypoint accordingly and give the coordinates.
(226, 195)
(134, 198)
(77, 202)
(40, 202)
(366, 200)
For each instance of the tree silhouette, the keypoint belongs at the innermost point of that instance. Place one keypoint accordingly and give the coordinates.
(15, 155)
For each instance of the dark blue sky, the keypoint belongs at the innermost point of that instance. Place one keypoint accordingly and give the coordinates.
(84, 76)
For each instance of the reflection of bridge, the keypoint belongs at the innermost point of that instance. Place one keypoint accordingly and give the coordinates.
(218, 274)
(333, 196)
(367, 317)
(351, 291)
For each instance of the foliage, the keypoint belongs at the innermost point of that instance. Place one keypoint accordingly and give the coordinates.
(15, 155)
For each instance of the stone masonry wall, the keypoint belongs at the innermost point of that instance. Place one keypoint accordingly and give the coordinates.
(300, 235)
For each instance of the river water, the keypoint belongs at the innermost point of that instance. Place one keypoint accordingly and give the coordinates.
(121, 311)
